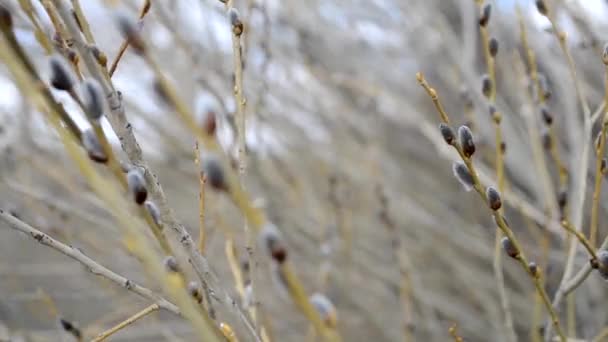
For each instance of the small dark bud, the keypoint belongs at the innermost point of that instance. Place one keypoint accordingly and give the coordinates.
(101, 57)
(603, 165)
(131, 32)
(509, 247)
(93, 147)
(503, 147)
(542, 7)
(447, 133)
(533, 268)
(544, 86)
(94, 100)
(235, 21)
(494, 200)
(61, 78)
(272, 242)
(137, 185)
(562, 198)
(6, 19)
(70, 328)
(154, 212)
(547, 115)
(602, 260)
(605, 55)
(209, 123)
(465, 137)
(493, 47)
(171, 264)
(214, 172)
(195, 291)
(484, 16)
(486, 86)
(495, 114)
(325, 308)
(463, 175)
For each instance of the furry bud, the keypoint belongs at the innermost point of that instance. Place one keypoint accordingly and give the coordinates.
(130, 32)
(494, 200)
(465, 137)
(463, 175)
(547, 115)
(486, 85)
(137, 185)
(493, 47)
(93, 147)
(171, 264)
(544, 87)
(484, 16)
(603, 165)
(509, 247)
(94, 100)
(602, 260)
(101, 57)
(154, 212)
(447, 133)
(272, 241)
(214, 172)
(235, 21)
(325, 308)
(533, 268)
(61, 77)
(195, 291)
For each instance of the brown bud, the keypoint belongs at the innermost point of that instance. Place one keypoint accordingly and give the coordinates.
(503, 147)
(209, 123)
(603, 164)
(447, 133)
(137, 185)
(605, 55)
(509, 247)
(493, 197)
(465, 137)
(484, 16)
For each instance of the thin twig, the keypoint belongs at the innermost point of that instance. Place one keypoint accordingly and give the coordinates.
(90, 264)
(143, 313)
